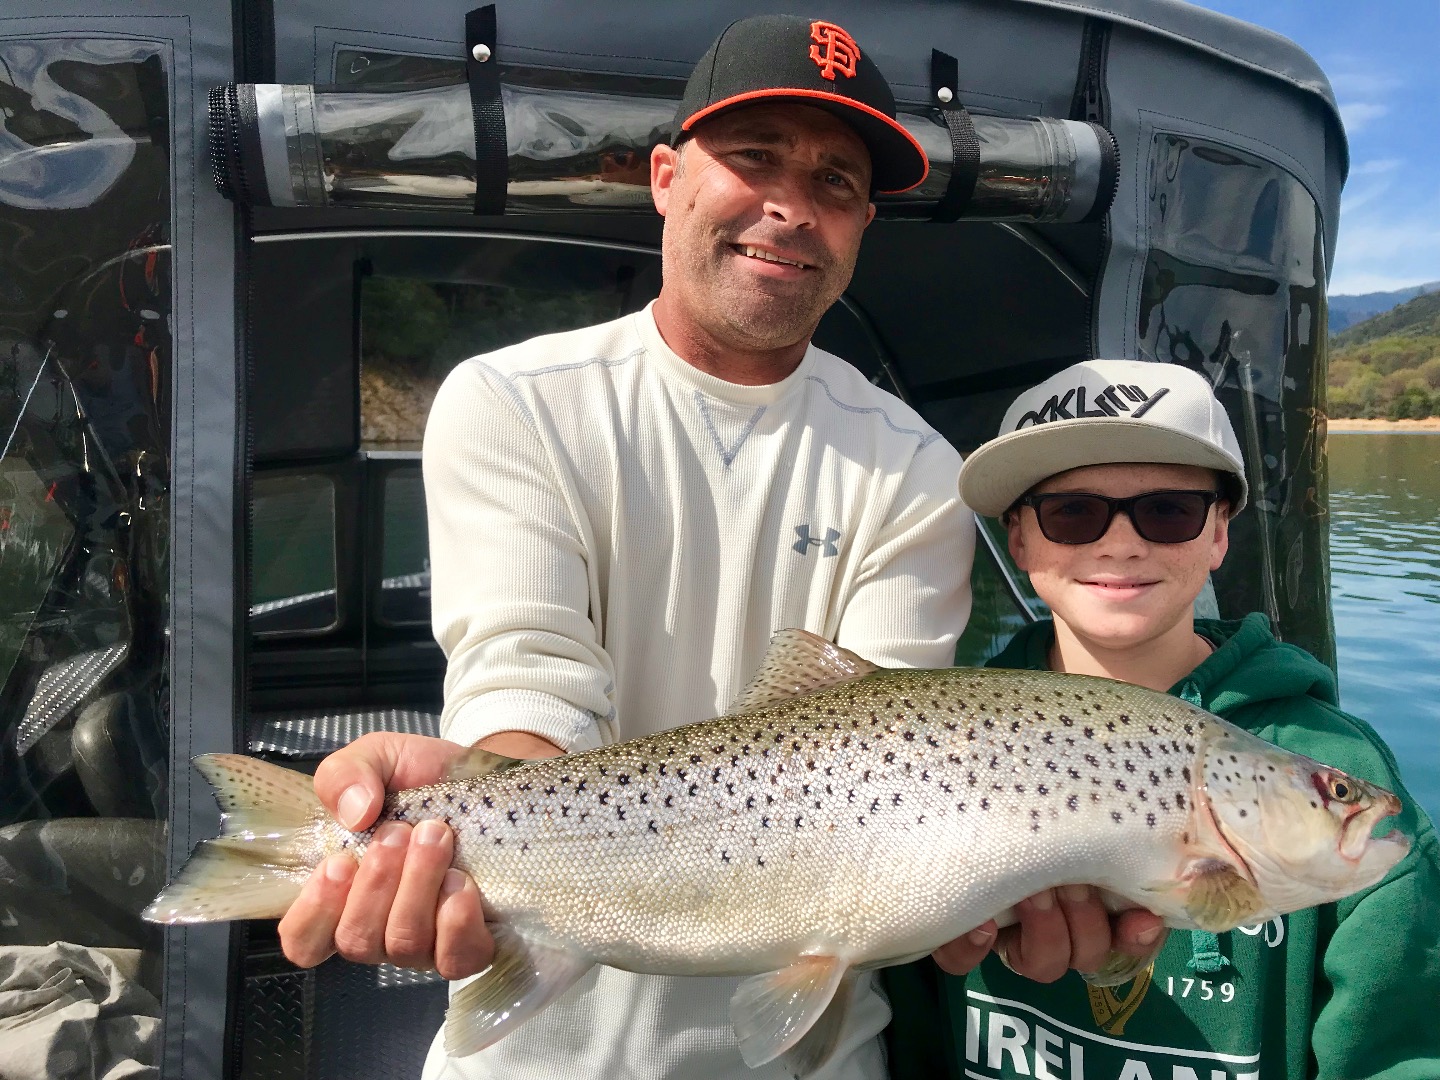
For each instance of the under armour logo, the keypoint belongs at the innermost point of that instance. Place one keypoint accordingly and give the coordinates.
(1111, 401)
(806, 541)
(834, 50)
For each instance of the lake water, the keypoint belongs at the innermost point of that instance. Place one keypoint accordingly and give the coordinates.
(1385, 586)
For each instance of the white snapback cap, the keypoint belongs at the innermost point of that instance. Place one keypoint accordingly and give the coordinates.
(1100, 412)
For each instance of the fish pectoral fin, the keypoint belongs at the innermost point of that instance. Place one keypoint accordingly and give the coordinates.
(523, 978)
(476, 762)
(818, 1044)
(799, 662)
(1217, 897)
(1119, 968)
(774, 1012)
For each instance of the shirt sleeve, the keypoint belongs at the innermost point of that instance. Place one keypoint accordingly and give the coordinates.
(510, 580)
(911, 598)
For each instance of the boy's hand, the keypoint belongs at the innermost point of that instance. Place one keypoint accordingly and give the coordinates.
(1058, 930)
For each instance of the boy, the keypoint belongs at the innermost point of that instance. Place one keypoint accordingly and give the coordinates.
(1119, 545)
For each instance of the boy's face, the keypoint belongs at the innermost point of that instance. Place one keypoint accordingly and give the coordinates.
(1122, 591)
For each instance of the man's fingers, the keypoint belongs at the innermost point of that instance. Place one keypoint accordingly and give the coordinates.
(307, 932)
(1040, 948)
(1089, 926)
(352, 781)
(964, 953)
(360, 934)
(463, 946)
(410, 930)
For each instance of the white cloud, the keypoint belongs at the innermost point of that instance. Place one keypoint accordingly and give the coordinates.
(1376, 253)
(1377, 167)
(1357, 114)
(1356, 82)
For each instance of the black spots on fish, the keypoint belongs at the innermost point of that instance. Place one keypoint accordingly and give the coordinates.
(749, 802)
(669, 800)
(1008, 747)
(1150, 820)
(1116, 816)
(1020, 789)
(1129, 766)
(564, 810)
(951, 725)
(489, 802)
(580, 787)
(865, 777)
(513, 815)
(1092, 760)
(499, 840)
(1072, 772)
(750, 773)
(874, 805)
(1119, 785)
(988, 723)
(1145, 749)
(1190, 748)
(1040, 789)
(984, 804)
(693, 789)
(994, 761)
(1088, 732)
(425, 802)
(1052, 767)
(1243, 812)
(729, 790)
(620, 813)
(1180, 802)
(1072, 802)
(972, 778)
(765, 822)
(1109, 725)
(1094, 796)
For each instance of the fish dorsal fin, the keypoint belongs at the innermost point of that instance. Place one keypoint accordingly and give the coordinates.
(799, 662)
(476, 762)
(773, 1013)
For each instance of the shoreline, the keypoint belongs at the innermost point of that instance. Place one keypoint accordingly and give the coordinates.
(1430, 425)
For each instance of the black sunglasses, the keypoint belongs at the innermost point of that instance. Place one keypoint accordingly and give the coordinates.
(1161, 517)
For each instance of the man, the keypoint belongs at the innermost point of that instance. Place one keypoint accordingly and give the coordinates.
(622, 516)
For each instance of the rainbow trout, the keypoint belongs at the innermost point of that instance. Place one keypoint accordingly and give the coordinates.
(842, 817)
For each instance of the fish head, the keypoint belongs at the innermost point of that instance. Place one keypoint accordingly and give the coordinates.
(1304, 832)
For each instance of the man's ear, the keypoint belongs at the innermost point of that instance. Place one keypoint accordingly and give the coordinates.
(664, 160)
(869, 214)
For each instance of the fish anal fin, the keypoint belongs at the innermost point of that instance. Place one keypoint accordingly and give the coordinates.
(524, 977)
(1216, 896)
(476, 762)
(772, 1013)
(818, 1044)
(799, 662)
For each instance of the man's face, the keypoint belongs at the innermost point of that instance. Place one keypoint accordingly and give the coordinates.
(764, 183)
(1122, 591)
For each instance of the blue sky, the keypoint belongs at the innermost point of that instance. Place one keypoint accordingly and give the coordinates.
(1383, 59)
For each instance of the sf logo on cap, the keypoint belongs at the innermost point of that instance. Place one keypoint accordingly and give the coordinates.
(834, 50)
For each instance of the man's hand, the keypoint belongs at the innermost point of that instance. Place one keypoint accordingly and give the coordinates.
(402, 903)
(1059, 929)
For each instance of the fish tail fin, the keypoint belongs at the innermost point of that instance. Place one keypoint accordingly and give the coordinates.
(265, 852)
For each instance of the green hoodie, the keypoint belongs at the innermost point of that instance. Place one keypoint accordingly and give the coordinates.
(1340, 992)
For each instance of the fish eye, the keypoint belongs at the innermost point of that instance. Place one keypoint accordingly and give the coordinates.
(1343, 790)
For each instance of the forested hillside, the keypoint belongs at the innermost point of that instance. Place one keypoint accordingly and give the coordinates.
(1389, 366)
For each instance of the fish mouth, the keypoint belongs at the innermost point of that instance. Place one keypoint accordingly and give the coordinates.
(1356, 829)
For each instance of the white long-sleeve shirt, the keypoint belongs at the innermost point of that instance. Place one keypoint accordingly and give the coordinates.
(614, 537)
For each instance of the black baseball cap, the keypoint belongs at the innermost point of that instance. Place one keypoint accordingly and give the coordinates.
(811, 62)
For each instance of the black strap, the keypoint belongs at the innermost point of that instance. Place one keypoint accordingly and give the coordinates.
(483, 75)
(964, 146)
